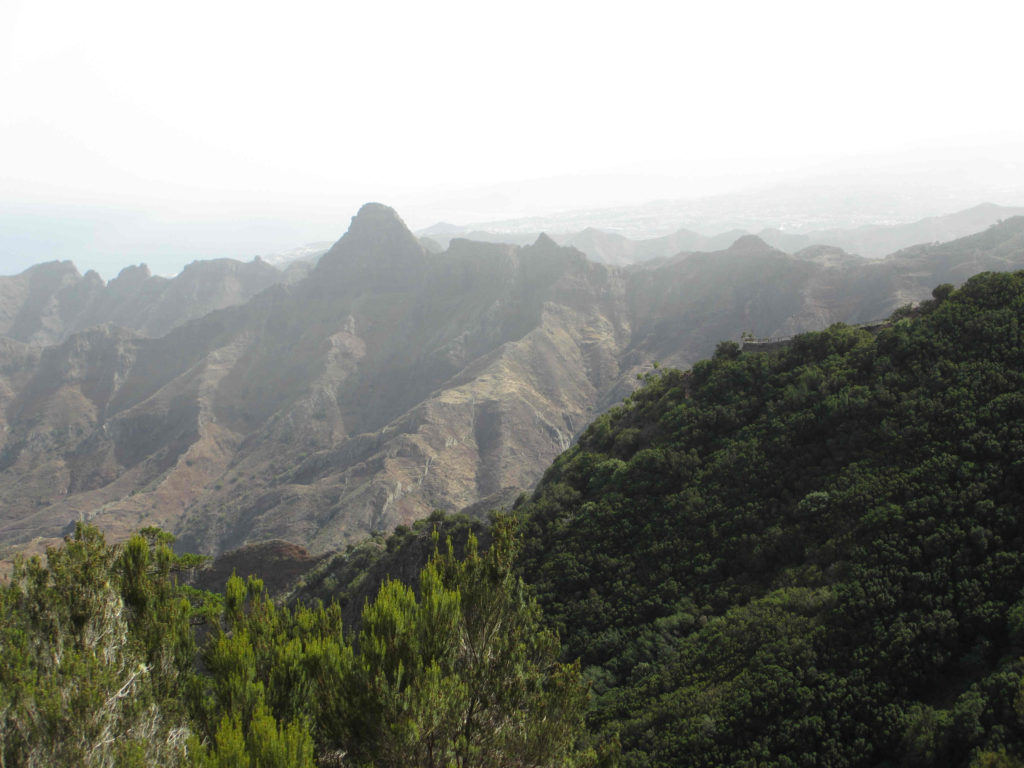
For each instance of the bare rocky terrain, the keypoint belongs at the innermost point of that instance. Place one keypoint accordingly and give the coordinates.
(238, 406)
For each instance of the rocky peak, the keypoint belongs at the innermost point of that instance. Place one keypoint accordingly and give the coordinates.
(375, 216)
(749, 244)
(546, 249)
(130, 278)
(379, 229)
(92, 277)
(52, 274)
(377, 251)
(544, 241)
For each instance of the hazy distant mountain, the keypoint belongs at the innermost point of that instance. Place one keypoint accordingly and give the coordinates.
(598, 245)
(443, 234)
(811, 205)
(48, 302)
(872, 241)
(391, 380)
(311, 252)
(609, 248)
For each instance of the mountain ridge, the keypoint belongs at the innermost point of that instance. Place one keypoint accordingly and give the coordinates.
(48, 302)
(354, 399)
(869, 241)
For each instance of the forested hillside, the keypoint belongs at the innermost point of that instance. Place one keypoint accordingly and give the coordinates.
(801, 558)
(813, 557)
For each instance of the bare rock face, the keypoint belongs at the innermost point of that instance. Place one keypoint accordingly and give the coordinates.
(388, 382)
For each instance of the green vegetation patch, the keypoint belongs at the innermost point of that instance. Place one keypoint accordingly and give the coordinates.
(808, 557)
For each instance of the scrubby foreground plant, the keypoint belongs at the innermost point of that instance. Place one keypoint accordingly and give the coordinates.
(460, 671)
(102, 668)
(90, 678)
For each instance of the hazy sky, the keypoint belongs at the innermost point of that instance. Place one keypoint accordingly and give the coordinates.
(236, 124)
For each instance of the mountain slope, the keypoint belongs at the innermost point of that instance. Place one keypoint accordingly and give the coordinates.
(392, 381)
(386, 384)
(875, 241)
(436, 393)
(804, 558)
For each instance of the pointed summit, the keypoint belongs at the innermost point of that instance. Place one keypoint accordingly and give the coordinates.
(375, 217)
(377, 250)
(749, 244)
(378, 227)
(544, 241)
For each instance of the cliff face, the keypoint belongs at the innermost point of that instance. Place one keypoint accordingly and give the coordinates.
(388, 382)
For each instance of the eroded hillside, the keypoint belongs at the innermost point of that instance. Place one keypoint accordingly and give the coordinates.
(392, 381)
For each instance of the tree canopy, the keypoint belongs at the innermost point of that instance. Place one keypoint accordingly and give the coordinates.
(807, 557)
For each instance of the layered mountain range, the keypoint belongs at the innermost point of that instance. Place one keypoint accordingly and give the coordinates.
(248, 404)
(48, 302)
(869, 240)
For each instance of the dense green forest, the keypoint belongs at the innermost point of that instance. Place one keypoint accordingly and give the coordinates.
(812, 557)
(808, 557)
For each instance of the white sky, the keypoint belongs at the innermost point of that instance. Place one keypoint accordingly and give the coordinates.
(250, 111)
